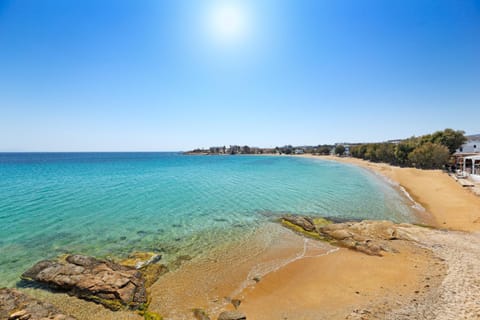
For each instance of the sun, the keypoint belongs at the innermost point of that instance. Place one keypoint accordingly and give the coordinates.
(228, 23)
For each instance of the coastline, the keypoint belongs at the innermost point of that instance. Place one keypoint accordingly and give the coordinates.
(327, 282)
(416, 279)
(446, 202)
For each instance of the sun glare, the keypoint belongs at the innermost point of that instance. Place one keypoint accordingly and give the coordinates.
(228, 23)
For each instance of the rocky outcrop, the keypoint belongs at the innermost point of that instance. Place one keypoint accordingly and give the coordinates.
(147, 263)
(16, 305)
(370, 237)
(305, 223)
(113, 285)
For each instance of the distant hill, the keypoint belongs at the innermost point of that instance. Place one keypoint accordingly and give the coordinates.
(473, 137)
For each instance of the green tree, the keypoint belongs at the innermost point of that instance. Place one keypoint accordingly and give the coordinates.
(359, 151)
(324, 150)
(371, 152)
(429, 156)
(340, 150)
(386, 153)
(452, 139)
(402, 150)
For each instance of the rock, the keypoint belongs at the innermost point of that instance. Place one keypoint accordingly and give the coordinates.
(236, 303)
(140, 260)
(113, 285)
(147, 263)
(369, 237)
(22, 314)
(232, 315)
(152, 272)
(371, 250)
(16, 305)
(340, 234)
(304, 222)
(200, 314)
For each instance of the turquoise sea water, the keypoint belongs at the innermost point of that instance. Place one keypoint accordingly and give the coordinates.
(110, 204)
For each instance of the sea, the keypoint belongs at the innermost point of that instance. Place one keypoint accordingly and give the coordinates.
(109, 205)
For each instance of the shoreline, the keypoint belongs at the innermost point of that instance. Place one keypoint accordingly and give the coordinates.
(327, 283)
(446, 202)
(419, 279)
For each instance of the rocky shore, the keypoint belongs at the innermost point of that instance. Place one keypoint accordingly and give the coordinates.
(14, 305)
(370, 237)
(113, 285)
(448, 288)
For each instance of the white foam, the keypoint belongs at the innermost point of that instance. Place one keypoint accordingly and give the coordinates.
(262, 269)
(415, 205)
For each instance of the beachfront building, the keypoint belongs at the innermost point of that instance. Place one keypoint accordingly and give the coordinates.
(471, 146)
(471, 167)
(467, 160)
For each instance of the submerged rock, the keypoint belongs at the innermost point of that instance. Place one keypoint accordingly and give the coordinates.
(370, 237)
(113, 285)
(16, 305)
(177, 263)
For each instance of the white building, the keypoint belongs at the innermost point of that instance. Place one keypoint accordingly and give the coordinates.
(471, 146)
(474, 171)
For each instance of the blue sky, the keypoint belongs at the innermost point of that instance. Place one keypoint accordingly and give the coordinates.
(89, 75)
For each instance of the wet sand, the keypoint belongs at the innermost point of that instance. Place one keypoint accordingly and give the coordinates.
(209, 283)
(336, 285)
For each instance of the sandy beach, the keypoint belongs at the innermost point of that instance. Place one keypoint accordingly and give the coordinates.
(426, 280)
(291, 277)
(448, 205)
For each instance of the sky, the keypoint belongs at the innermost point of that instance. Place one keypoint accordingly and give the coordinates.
(168, 75)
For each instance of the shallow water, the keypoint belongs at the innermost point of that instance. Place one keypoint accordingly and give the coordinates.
(110, 204)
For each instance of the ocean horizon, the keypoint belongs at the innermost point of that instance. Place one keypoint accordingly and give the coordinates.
(110, 204)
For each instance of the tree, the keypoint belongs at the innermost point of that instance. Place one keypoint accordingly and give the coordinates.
(402, 150)
(324, 150)
(385, 152)
(359, 151)
(450, 138)
(429, 156)
(371, 152)
(340, 150)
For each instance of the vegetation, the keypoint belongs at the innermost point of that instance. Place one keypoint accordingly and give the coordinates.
(430, 151)
(429, 156)
(324, 150)
(339, 150)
